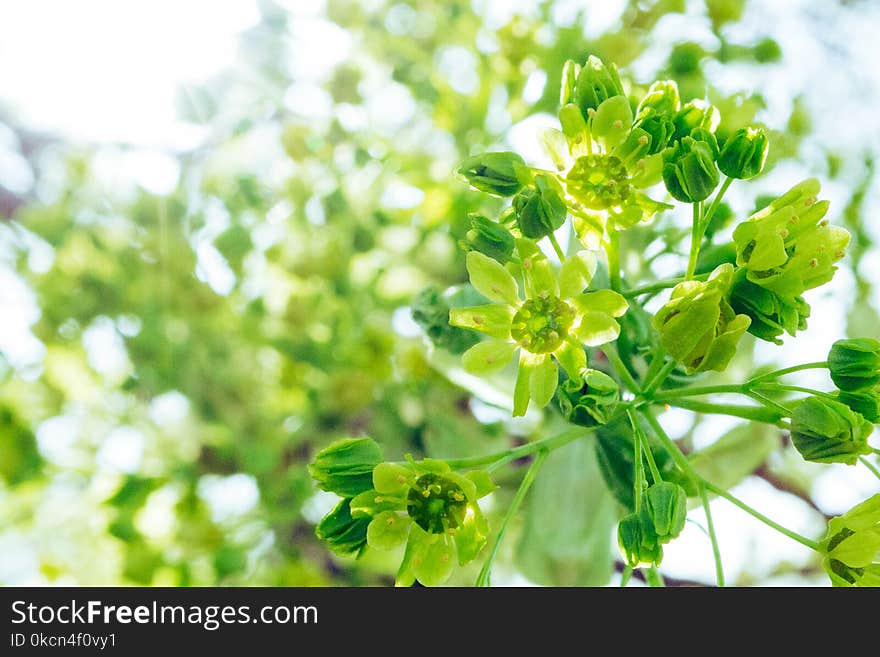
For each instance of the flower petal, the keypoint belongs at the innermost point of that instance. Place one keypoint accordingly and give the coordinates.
(434, 564)
(544, 380)
(597, 328)
(491, 279)
(521, 389)
(388, 530)
(471, 536)
(392, 478)
(488, 356)
(602, 301)
(572, 358)
(576, 273)
(491, 319)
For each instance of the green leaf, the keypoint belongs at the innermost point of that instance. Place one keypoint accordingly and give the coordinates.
(568, 521)
(737, 454)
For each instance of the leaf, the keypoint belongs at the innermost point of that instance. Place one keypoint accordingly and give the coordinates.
(566, 540)
(736, 454)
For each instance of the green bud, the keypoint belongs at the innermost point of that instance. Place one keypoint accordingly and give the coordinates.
(695, 114)
(589, 402)
(701, 134)
(596, 83)
(342, 533)
(540, 209)
(685, 58)
(489, 238)
(852, 546)
(666, 509)
(658, 127)
(698, 327)
(638, 543)
(854, 364)
(570, 71)
(826, 431)
(430, 310)
(771, 314)
(864, 402)
(345, 467)
(662, 99)
(689, 170)
(494, 173)
(744, 153)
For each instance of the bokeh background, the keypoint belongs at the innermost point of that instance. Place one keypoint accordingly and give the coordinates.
(215, 216)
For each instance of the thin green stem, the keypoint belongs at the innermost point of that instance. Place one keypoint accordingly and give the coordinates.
(875, 450)
(787, 370)
(755, 413)
(556, 247)
(658, 359)
(638, 465)
(549, 444)
(639, 436)
(682, 462)
(659, 379)
(787, 388)
(696, 238)
(696, 391)
(716, 202)
(654, 578)
(610, 351)
(716, 551)
(870, 466)
(612, 249)
(483, 579)
(660, 285)
(803, 540)
(625, 576)
(769, 403)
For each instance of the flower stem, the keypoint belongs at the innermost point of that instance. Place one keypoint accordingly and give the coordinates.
(769, 403)
(659, 379)
(787, 388)
(716, 551)
(483, 579)
(715, 203)
(870, 466)
(625, 576)
(642, 440)
(638, 465)
(682, 462)
(610, 351)
(612, 249)
(559, 252)
(696, 238)
(787, 370)
(696, 391)
(548, 444)
(654, 578)
(803, 540)
(755, 413)
(660, 285)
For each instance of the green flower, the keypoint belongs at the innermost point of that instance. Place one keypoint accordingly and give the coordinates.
(852, 546)
(771, 314)
(345, 467)
(498, 174)
(689, 170)
(430, 310)
(697, 113)
(744, 153)
(826, 431)
(665, 510)
(539, 208)
(489, 238)
(341, 532)
(864, 402)
(787, 247)
(596, 83)
(590, 401)
(662, 99)
(556, 318)
(432, 510)
(698, 326)
(639, 544)
(854, 364)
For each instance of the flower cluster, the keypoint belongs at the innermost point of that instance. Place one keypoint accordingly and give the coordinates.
(851, 547)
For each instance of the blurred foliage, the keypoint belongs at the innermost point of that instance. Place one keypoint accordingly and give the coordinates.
(326, 227)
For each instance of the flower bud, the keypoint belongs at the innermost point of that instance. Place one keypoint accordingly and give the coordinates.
(854, 364)
(852, 546)
(666, 508)
(430, 310)
(345, 467)
(698, 327)
(658, 127)
(341, 532)
(589, 402)
(662, 99)
(638, 543)
(689, 170)
(864, 402)
(744, 153)
(570, 72)
(489, 238)
(826, 431)
(540, 209)
(494, 173)
(596, 83)
(771, 314)
(695, 114)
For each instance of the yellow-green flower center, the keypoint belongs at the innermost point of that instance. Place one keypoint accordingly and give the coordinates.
(541, 324)
(436, 504)
(599, 181)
